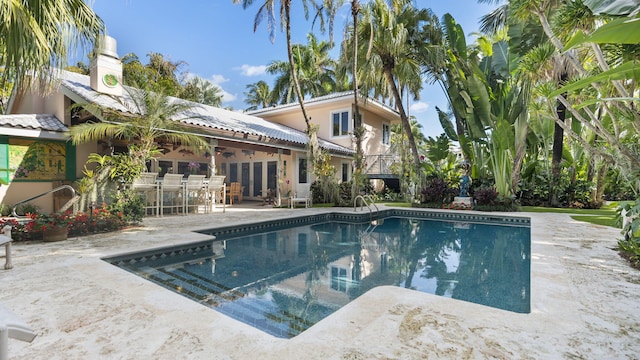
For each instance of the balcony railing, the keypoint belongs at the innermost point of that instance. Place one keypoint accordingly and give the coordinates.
(380, 165)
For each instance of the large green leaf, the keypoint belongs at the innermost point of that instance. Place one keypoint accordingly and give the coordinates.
(500, 58)
(438, 148)
(615, 7)
(480, 98)
(595, 101)
(627, 71)
(445, 121)
(456, 35)
(619, 31)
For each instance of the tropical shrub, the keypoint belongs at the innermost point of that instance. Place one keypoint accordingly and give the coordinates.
(577, 194)
(26, 208)
(5, 210)
(345, 190)
(616, 187)
(485, 196)
(436, 192)
(130, 204)
(534, 192)
(629, 247)
(489, 199)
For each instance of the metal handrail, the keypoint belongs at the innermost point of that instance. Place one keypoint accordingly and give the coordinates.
(73, 194)
(364, 201)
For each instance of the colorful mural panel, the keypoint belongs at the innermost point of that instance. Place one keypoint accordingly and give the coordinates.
(37, 159)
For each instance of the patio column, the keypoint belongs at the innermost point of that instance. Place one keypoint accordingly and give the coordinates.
(212, 160)
(278, 178)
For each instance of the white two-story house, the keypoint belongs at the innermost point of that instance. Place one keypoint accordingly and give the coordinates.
(265, 149)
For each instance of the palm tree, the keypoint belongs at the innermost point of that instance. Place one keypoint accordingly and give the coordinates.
(315, 68)
(151, 117)
(36, 34)
(202, 91)
(267, 9)
(389, 38)
(259, 95)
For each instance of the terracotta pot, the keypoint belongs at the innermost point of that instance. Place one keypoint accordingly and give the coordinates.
(57, 233)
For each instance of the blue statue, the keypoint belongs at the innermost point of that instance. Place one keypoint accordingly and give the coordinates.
(464, 185)
(465, 180)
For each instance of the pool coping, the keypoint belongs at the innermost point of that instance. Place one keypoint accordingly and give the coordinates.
(203, 248)
(584, 304)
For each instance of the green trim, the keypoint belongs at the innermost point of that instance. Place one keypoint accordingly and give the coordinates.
(71, 161)
(4, 160)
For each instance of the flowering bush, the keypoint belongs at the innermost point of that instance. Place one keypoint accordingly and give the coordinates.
(98, 221)
(43, 222)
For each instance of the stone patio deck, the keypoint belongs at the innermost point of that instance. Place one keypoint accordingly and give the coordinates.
(584, 301)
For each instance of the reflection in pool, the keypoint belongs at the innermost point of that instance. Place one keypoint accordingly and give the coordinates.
(284, 281)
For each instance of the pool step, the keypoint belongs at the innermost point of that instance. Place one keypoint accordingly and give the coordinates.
(264, 314)
(196, 289)
(259, 311)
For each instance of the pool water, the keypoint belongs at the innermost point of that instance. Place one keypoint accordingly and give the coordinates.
(286, 280)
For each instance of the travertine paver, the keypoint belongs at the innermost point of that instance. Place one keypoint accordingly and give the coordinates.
(583, 299)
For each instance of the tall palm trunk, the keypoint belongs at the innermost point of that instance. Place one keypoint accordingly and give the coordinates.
(313, 141)
(403, 116)
(358, 180)
(558, 144)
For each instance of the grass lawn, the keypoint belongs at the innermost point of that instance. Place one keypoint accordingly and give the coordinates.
(397, 204)
(604, 216)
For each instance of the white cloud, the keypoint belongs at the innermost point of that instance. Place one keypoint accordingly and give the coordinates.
(218, 79)
(252, 70)
(419, 107)
(227, 96)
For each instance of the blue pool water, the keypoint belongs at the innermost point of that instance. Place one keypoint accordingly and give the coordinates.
(285, 279)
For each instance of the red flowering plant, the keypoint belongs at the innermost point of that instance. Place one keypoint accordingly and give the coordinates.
(43, 221)
(99, 220)
(19, 230)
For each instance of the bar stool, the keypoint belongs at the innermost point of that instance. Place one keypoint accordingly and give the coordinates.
(147, 186)
(216, 192)
(173, 189)
(194, 192)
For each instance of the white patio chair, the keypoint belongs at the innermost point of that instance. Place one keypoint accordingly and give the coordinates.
(12, 327)
(301, 198)
(147, 185)
(172, 193)
(216, 192)
(194, 192)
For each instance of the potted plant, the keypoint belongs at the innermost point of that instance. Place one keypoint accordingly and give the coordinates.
(54, 226)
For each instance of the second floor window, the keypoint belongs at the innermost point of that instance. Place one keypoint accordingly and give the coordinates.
(386, 134)
(340, 123)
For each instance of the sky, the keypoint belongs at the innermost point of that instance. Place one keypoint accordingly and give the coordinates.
(216, 40)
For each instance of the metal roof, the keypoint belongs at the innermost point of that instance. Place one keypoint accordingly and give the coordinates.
(345, 95)
(33, 121)
(200, 115)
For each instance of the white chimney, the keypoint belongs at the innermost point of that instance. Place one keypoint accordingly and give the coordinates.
(106, 67)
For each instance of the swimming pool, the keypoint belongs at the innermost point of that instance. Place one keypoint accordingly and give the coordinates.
(284, 276)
